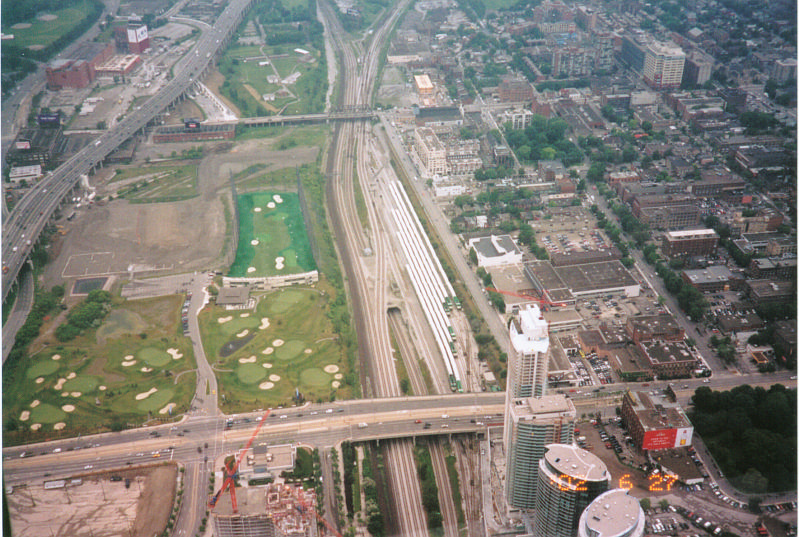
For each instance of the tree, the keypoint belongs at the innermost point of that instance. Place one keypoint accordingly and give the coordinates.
(473, 256)
(664, 505)
(646, 504)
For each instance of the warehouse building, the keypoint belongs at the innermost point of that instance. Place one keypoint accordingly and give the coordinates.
(654, 422)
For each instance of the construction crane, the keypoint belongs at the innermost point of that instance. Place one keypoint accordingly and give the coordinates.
(527, 297)
(230, 471)
(305, 507)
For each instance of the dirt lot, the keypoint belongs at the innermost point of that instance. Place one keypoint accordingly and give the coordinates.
(98, 507)
(113, 238)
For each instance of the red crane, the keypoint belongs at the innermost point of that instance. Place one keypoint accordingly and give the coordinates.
(527, 297)
(230, 471)
(303, 507)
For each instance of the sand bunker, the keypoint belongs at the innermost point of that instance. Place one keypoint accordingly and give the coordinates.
(175, 354)
(75, 394)
(102, 388)
(279, 262)
(250, 360)
(223, 320)
(21, 26)
(257, 210)
(307, 351)
(34, 403)
(60, 425)
(56, 357)
(277, 198)
(266, 385)
(167, 409)
(251, 269)
(68, 408)
(338, 376)
(264, 323)
(243, 333)
(274, 378)
(64, 394)
(39, 380)
(268, 351)
(59, 384)
(254, 242)
(36, 426)
(71, 375)
(335, 384)
(128, 363)
(145, 395)
(271, 205)
(330, 369)
(244, 315)
(267, 365)
(25, 415)
(277, 343)
(128, 357)
(146, 369)
(47, 17)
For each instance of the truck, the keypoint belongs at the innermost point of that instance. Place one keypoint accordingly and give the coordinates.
(362, 425)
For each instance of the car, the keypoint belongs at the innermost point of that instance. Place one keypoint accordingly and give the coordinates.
(418, 421)
(283, 416)
(88, 467)
(156, 455)
(329, 411)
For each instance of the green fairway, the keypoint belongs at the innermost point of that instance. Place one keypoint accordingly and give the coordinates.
(289, 350)
(139, 331)
(45, 413)
(286, 299)
(83, 384)
(272, 236)
(250, 373)
(313, 376)
(154, 357)
(46, 28)
(298, 322)
(238, 324)
(44, 366)
(156, 401)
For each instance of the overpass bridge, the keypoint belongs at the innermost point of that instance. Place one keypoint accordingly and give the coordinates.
(21, 230)
(352, 114)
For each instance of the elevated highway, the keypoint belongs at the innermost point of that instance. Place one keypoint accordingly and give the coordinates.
(22, 228)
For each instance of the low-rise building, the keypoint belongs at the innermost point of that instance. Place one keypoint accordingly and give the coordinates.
(712, 279)
(769, 291)
(495, 251)
(662, 327)
(654, 422)
(669, 359)
(79, 69)
(776, 268)
(690, 242)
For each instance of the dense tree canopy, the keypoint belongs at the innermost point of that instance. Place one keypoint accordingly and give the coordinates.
(751, 433)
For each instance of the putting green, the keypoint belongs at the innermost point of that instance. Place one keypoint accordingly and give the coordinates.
(156, 401)
(290, 349)
(42, 368)
(313, 376)
(290, 256)
(81, 384)
(46, 413)
(285, 300)
(250, 373)
(239, 324)
(153, 356)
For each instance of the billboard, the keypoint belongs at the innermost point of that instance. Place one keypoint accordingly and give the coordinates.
(137, 34)
(192, 124)
(49, 120)
(668, 438)
(23, 144)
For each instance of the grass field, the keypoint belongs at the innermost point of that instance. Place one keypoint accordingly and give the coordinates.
(271, 228)
(43, 32)
(297, 350)
(92, 383)
(152, 184)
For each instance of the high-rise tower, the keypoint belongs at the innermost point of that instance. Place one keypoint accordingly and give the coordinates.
(569, 478)
(527, 364)
(531, 424)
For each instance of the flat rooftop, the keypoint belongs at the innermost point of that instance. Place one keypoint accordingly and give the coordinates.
(613, 513)
(663, 352)
(656, 412)
(595, 276)
(544, 408)
(495, 245)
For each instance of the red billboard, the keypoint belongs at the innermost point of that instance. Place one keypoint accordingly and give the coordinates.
(661, 439)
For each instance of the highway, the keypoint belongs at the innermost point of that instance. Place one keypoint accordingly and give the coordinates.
(29, 217)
